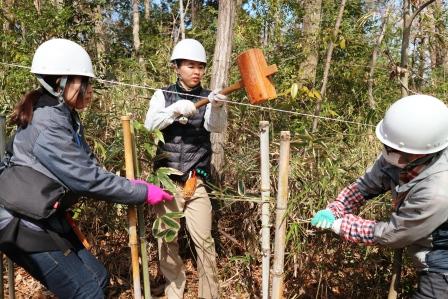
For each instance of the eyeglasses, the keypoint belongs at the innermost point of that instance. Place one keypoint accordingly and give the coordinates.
(390, 150)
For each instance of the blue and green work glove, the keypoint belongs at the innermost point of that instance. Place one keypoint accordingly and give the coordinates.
(323, 219)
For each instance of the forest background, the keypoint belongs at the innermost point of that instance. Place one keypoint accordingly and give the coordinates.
(343, 60)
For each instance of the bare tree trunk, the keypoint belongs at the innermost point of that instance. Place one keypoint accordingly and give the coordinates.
(323, 89)
(148, 4)
(311, 27)
(9, 20)
(407, 23)
(433, 39)
(58, 3)
(100, 40)
(375, 51)
(275, 27)
(421, 63)
(220, 74)
(181, 21)
(195, 9)
(136, 28)
(437, 40)
(38, 6)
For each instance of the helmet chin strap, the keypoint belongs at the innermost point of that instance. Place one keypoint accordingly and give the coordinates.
(62, 83)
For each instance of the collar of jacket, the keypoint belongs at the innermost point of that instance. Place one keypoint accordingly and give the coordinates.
(194, 91)
(48, 100)
(438, 164)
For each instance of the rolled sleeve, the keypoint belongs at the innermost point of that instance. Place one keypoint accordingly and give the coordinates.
(215, 118)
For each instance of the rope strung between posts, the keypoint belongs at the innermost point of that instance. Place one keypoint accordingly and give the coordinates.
(111, 82)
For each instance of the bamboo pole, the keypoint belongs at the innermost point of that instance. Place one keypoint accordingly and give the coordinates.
(141, 226)
(132, 211)
(394, 287)
(265, 213)
(280, 220)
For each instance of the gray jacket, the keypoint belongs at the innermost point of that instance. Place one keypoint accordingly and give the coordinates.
(420, 222)
(53, 144)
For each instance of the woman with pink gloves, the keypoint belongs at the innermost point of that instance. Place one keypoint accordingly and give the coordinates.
(50, 141)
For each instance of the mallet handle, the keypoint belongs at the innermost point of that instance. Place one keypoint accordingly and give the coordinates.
(225, 91)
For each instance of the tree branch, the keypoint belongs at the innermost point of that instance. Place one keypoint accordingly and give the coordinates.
(419, 10)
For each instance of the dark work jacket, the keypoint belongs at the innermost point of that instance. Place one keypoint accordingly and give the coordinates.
(54, 144)
(188, 146)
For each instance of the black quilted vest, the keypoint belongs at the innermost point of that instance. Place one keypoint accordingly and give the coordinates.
(188, 146)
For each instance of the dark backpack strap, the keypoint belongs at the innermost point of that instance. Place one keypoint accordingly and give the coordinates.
(59, 241)
(10, 145)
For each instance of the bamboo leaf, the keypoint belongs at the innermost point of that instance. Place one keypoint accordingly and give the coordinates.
(342, 43)
(170, 223)
(175, 215)
(294, 90)
(170, 236)
(156, 227)
(241, 188)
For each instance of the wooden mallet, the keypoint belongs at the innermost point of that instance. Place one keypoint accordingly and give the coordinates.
(255, 79)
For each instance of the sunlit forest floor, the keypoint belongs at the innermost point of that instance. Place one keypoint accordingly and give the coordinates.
(329, 269)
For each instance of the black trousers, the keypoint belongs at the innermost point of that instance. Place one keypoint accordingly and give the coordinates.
(432, 285)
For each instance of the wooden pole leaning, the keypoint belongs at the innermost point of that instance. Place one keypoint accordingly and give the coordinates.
(132, 211)
(141, 224)
(265, 206)
(394, 287)
(280, 220)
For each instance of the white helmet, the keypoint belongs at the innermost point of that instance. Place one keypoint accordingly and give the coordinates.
(416, 124)
(189, 49)
(61, 57)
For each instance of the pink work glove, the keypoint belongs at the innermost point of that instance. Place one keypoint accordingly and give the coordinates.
(155, 194)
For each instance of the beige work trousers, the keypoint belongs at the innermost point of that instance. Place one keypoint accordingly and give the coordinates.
(198, 216)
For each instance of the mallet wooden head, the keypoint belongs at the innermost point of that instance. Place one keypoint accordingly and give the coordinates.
(255, 76)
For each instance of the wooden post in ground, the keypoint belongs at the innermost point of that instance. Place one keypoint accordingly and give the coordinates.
(394, 287)
(141, 225)
(132, 211)
(280, 219)
(265, 205)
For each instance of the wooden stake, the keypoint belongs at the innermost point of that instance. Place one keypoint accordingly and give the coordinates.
(141, 225)
(265, 213)
(132, 211)
(280, 220)
(394, 287)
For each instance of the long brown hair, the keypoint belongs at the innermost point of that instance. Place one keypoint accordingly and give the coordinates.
(23, 111)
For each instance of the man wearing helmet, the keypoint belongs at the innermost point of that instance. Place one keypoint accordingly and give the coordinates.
(414, 167)
(50, 141)
(187, 148)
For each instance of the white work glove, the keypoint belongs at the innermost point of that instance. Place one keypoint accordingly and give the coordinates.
(183, 107)
(336, 226)
(216, 99)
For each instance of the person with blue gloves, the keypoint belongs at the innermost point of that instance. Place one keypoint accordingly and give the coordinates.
(413, 166)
